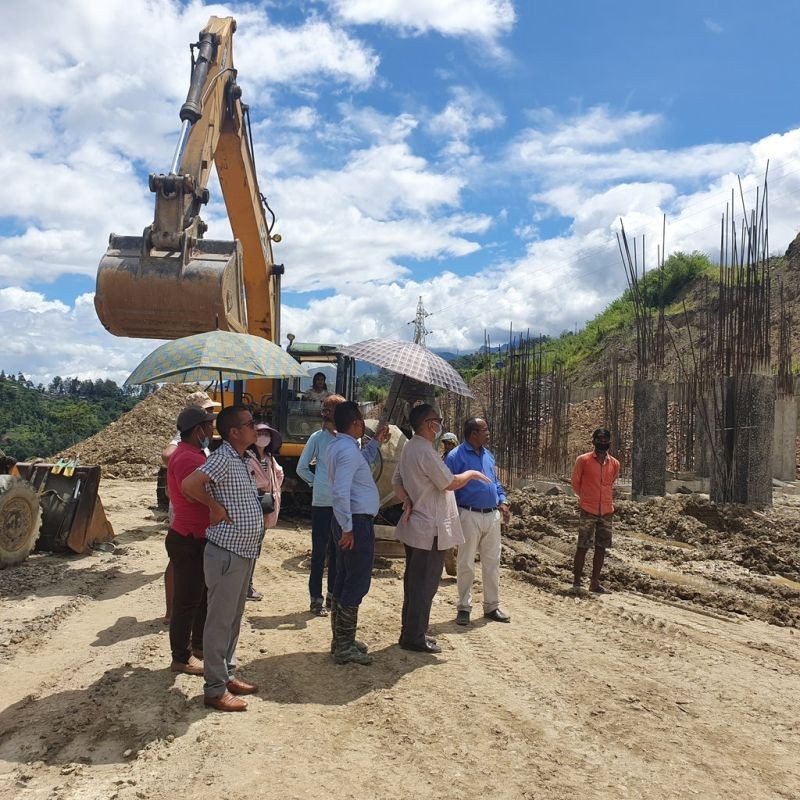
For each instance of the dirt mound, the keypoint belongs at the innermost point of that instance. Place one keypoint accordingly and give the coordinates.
(681, 547)
(131, 447)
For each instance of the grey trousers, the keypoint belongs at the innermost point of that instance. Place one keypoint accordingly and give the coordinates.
(227, 577)
(420, 582)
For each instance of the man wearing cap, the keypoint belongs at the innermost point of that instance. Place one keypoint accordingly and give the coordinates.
(200, 400)
(233, 537)
(449, 442)
(315, 452)
(593, 480)
(186, 541)
(480, 509)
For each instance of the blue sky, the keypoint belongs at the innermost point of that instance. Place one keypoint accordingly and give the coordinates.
(477, 153)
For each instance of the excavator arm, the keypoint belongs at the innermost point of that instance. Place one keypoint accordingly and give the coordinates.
(171, 282)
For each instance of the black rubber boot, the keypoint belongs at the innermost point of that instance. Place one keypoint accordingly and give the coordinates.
(346, 649)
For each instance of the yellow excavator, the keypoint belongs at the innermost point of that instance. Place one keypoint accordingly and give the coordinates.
(171, 282)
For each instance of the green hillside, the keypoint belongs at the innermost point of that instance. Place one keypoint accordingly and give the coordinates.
(38, 420)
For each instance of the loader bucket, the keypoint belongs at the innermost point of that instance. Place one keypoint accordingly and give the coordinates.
(162, 294)
(72, 514)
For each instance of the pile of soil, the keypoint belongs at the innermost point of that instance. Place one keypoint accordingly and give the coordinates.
(681, 548)
(131, 447)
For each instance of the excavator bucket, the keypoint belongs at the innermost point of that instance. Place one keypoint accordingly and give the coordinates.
(72, 513)
(167, 294)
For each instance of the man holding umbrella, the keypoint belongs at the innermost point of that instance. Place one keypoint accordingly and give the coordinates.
(429, 526)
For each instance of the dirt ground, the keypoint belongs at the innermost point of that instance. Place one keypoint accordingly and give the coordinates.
(649, 692)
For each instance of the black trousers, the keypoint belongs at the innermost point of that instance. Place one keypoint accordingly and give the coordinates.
(189, 603)
(420, 582)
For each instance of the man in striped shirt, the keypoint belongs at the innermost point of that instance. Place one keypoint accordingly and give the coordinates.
(233, 538)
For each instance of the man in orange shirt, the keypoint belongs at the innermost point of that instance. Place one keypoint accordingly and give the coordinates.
(593, 481)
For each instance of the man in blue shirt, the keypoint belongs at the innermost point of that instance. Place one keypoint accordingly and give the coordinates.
(355, 502)
(315, 451)
(480, 509)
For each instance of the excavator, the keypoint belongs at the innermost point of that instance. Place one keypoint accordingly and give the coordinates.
(171, 282)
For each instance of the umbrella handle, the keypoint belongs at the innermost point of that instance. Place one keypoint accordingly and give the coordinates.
(385, 417)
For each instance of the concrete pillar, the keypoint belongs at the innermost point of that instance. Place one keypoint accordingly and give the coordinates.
(743, 473)
(784, 455)
(649, 457)
(704, 436)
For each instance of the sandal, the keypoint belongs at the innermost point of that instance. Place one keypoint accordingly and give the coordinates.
(319, 610)
(599, 589)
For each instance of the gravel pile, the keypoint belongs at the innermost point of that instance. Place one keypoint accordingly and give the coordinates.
(131, 447)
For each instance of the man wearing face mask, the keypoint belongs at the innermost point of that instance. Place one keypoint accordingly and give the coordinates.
(430, 524)
(186, 541)
(593, 481)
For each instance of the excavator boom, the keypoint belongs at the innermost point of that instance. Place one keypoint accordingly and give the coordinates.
(171, 282)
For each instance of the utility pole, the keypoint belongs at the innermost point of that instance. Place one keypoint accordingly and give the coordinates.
(420, 331)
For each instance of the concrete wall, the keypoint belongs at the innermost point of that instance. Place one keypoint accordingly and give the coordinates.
(649, 462)
(744, 470)
(784, 454)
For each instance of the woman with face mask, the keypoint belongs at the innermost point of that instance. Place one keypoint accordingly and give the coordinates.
(268, 476)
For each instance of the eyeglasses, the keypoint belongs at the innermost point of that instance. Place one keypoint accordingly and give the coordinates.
(437, 420)
(249, 424)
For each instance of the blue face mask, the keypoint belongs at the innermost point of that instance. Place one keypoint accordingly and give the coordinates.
(204, 443)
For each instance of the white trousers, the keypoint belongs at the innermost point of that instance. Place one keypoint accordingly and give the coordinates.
(481, 535)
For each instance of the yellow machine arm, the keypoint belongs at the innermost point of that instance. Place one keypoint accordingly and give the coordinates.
(170, 282)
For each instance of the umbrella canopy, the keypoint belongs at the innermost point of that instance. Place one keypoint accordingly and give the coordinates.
(409, 359)
(207, 356)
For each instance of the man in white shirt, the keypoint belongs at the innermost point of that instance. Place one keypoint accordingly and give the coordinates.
(429, 526)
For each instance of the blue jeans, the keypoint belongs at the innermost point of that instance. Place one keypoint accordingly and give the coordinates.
(321, 543)
(354, 567)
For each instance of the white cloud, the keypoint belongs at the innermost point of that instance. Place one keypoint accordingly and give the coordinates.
(44, 338)
(480, 19)
(712, 25)
(593, 147)
(315, 50)
(302, 117)
(468, 112)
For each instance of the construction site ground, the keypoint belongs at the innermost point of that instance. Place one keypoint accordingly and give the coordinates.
(684, 681)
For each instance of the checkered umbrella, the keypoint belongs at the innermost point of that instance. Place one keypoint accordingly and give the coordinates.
(409, 359)
(208, 356)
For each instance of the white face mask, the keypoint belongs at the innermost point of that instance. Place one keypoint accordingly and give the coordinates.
(263, 440)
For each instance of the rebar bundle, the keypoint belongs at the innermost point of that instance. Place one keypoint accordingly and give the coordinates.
(648, 310)
(526, 407)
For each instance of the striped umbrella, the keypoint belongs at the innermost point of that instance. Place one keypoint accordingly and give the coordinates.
(208, 356)
(409, 359)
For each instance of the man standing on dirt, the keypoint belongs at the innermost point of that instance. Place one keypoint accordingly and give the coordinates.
(429, 525)
(200, 400)
(480, 508)
(186, 542)
(321, 506)
(234, 537)
(593, 481)
(355, 501)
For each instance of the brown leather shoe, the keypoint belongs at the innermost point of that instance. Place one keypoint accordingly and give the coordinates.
(192, 667)
(225, 702)
(240, 687)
